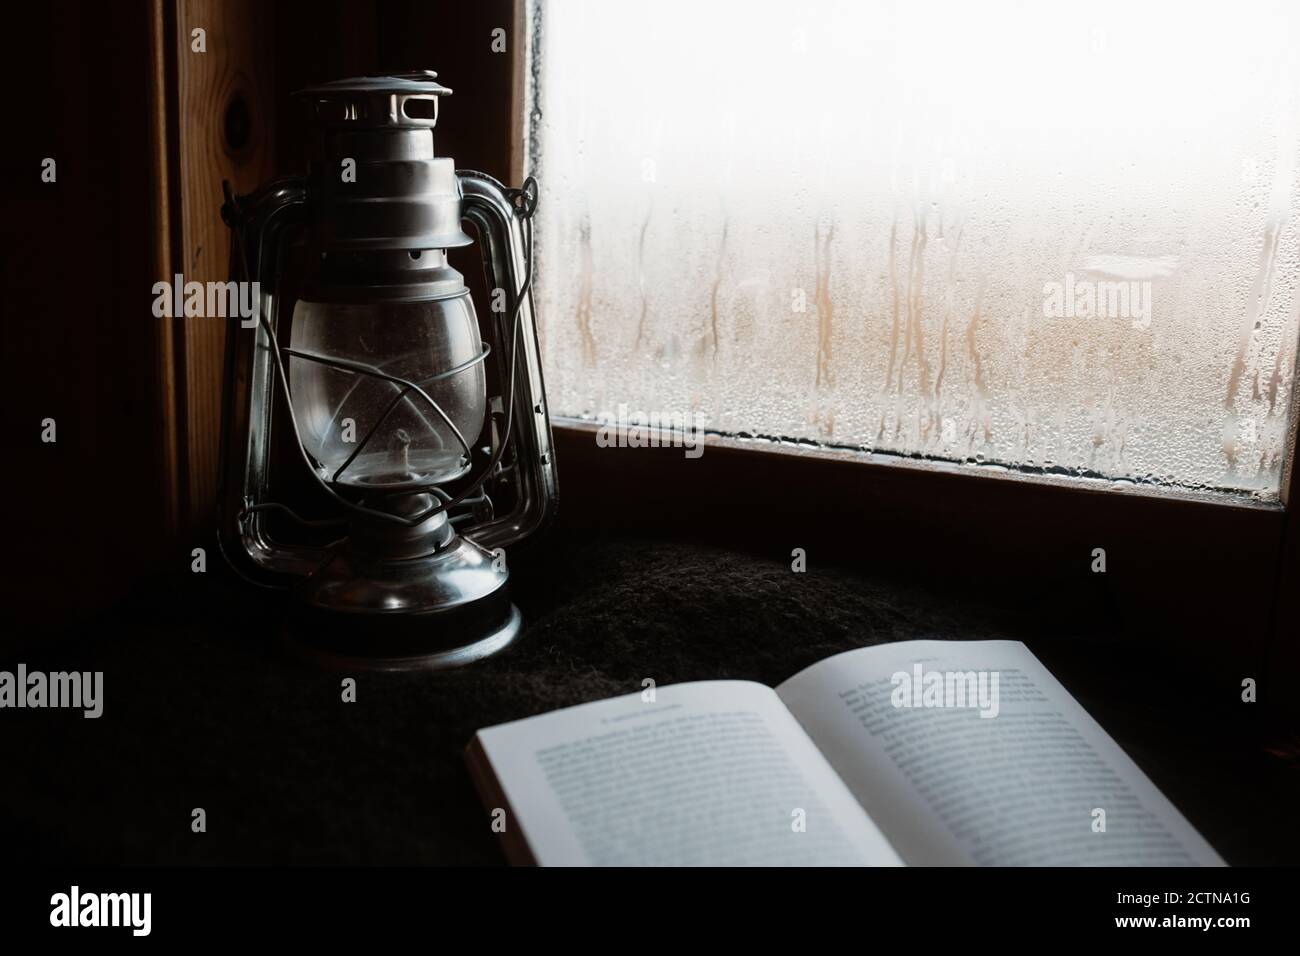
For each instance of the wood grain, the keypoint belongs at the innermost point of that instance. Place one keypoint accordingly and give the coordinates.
(160, 214)
(236, 65)
(520, 91)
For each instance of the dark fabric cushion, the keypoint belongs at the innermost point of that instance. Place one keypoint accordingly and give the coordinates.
(202, 709)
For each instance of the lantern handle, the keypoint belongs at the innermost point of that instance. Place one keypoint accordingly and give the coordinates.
(503, 218)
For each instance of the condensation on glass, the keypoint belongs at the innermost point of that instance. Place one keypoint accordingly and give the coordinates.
(1061, 239)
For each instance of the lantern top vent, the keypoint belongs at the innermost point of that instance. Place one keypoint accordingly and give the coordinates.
(393, 100)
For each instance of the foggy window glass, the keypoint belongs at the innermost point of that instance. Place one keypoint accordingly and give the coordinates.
(1059, 238)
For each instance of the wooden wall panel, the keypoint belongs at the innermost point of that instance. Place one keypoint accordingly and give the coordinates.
(167, 432)
(221, 108)
(86, 515)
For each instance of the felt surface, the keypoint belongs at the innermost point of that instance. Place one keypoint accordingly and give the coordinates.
(202, 710)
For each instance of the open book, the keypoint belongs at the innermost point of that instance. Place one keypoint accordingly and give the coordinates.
(923, 753)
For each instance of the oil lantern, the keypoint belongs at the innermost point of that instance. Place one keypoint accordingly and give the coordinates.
(384, 441)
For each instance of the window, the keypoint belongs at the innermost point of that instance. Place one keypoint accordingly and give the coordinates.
(1059, 239)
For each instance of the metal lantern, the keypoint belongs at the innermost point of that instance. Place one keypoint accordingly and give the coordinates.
(419, 431)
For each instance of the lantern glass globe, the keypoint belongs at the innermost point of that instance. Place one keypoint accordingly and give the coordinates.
(337, 408)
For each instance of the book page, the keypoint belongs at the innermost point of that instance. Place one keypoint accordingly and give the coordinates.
(710, 773)
(1004, 770)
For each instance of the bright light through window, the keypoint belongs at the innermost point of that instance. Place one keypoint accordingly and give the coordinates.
(1059, 238)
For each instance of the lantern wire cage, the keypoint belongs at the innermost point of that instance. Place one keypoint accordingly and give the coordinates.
(524, 201)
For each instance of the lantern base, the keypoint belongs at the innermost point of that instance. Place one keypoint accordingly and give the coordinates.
(437, 611)
(306, 647)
